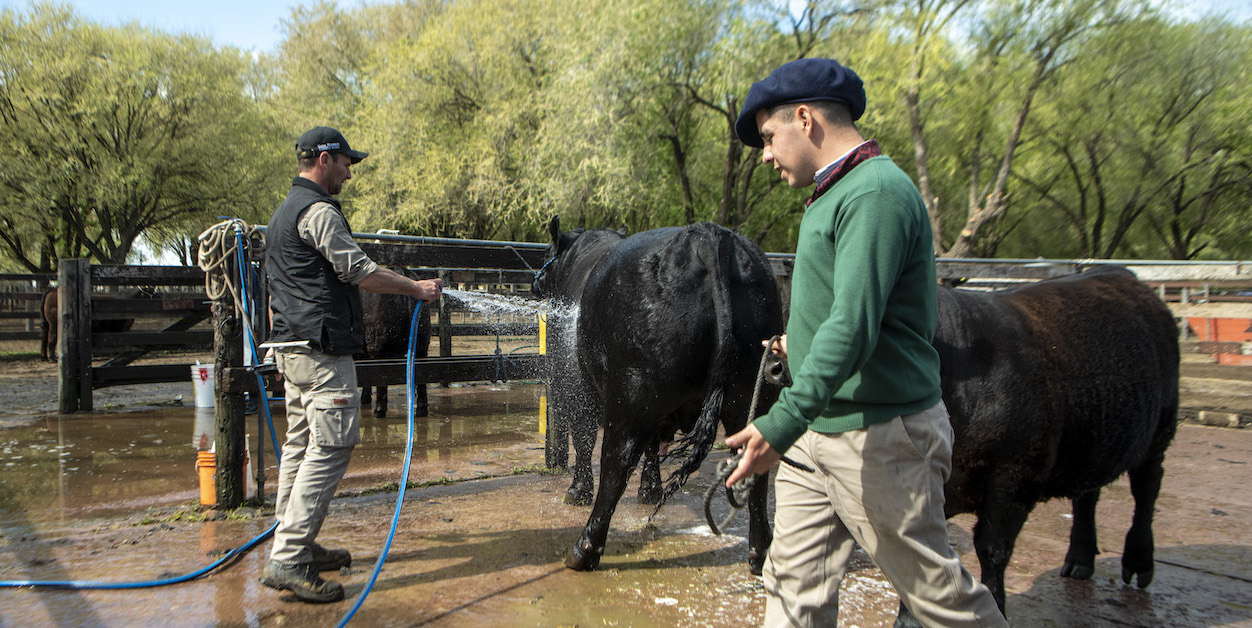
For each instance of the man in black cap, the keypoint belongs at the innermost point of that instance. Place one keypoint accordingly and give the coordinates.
(315, 272)
(864, 409)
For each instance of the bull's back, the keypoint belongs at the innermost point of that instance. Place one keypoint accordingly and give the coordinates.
(654, 294)
(1072, 382)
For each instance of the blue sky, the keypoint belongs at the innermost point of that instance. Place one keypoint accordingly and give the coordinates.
(249, 25)
(254, 25)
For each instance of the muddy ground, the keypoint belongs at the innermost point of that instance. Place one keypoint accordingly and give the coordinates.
(482, 541)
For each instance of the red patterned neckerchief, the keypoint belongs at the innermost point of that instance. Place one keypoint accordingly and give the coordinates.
(845, 165)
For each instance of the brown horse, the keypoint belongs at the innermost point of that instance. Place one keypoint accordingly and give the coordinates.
(49, 322)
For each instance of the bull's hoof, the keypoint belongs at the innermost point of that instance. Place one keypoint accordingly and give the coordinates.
(422, 409)
(1144, 578)
(1077, 571)
(651, 495)
(582, 559)
(756, 562)
(380, 413)
(579, 494)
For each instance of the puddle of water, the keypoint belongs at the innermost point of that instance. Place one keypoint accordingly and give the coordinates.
(64, 467)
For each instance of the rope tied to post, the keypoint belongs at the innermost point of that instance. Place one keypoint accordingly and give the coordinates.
(218, 247)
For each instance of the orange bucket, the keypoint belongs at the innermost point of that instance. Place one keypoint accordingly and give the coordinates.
(206, 467)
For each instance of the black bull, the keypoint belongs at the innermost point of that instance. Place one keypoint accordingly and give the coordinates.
(1054, 390)
(668, 336)
(387, 322)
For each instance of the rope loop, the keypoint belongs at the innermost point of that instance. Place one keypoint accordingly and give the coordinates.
(218, 246)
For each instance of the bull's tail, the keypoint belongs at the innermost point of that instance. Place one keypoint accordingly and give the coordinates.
(696, 444)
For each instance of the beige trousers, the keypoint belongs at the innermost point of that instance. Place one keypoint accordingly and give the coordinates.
(323, 425)
(881, 487)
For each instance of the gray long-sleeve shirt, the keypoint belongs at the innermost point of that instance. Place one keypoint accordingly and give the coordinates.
(323, 229)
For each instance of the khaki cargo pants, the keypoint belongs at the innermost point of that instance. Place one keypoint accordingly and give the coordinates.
(323, 425)
(881, 487)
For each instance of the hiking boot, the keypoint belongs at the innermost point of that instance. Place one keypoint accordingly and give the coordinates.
(303, 582)
(330, 559)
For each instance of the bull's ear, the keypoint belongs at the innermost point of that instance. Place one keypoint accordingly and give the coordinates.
(554, 228)
(624, 231)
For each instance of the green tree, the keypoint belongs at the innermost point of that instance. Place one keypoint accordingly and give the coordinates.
(448, 115)
(1013, 51)
(1137, 151)
(114, 132)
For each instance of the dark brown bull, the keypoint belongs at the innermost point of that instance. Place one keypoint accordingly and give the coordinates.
(1055, 390)
(387, 321)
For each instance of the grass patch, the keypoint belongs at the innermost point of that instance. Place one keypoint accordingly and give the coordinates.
(536, 469)
(19, 356)
(193, 512)
(181, 515)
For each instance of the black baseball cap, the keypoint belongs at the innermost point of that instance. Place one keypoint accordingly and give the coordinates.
(802, 80)
(323, 139)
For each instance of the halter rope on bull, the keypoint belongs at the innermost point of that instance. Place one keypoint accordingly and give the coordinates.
(737, 495)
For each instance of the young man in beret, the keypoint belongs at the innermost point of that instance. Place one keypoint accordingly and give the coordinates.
(864, 410)
(315, 272)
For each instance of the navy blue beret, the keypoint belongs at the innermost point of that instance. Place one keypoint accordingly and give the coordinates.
(802, 80)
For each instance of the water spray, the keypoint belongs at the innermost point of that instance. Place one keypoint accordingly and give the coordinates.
(214, 238)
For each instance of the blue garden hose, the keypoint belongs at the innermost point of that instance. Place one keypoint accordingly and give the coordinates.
(239, 551)
(95, 584)
(411, 390)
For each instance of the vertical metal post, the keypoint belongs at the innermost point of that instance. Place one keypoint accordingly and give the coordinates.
(560, 407)
(262, 330)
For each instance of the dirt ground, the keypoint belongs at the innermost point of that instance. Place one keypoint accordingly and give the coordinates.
(489, 551)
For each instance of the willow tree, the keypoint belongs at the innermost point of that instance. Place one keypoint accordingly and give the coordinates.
(650, 111)
(1137, 149)
(448, 118)
(1006, 52)
(113, 132)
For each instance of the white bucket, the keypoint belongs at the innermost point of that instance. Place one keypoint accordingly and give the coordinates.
(202, 379)
(249, 469)
(203, 434)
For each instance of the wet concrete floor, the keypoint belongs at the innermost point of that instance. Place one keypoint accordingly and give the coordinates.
(112, 497)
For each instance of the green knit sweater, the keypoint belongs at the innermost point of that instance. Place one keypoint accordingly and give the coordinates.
(863, 309)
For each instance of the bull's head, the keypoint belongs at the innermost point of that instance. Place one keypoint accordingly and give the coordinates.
(564, 269)
(542, 284)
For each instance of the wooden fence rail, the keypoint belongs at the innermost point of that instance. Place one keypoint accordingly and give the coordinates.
(1191, 290)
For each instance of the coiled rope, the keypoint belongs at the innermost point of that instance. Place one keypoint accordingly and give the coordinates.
(218, 245)
(774, 371)
(215, 250)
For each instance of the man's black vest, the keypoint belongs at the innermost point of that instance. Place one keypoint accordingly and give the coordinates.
(308, 299)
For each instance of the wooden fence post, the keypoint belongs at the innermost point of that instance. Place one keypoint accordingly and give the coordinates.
(74, 334)
(228, 415)
(445, 325)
